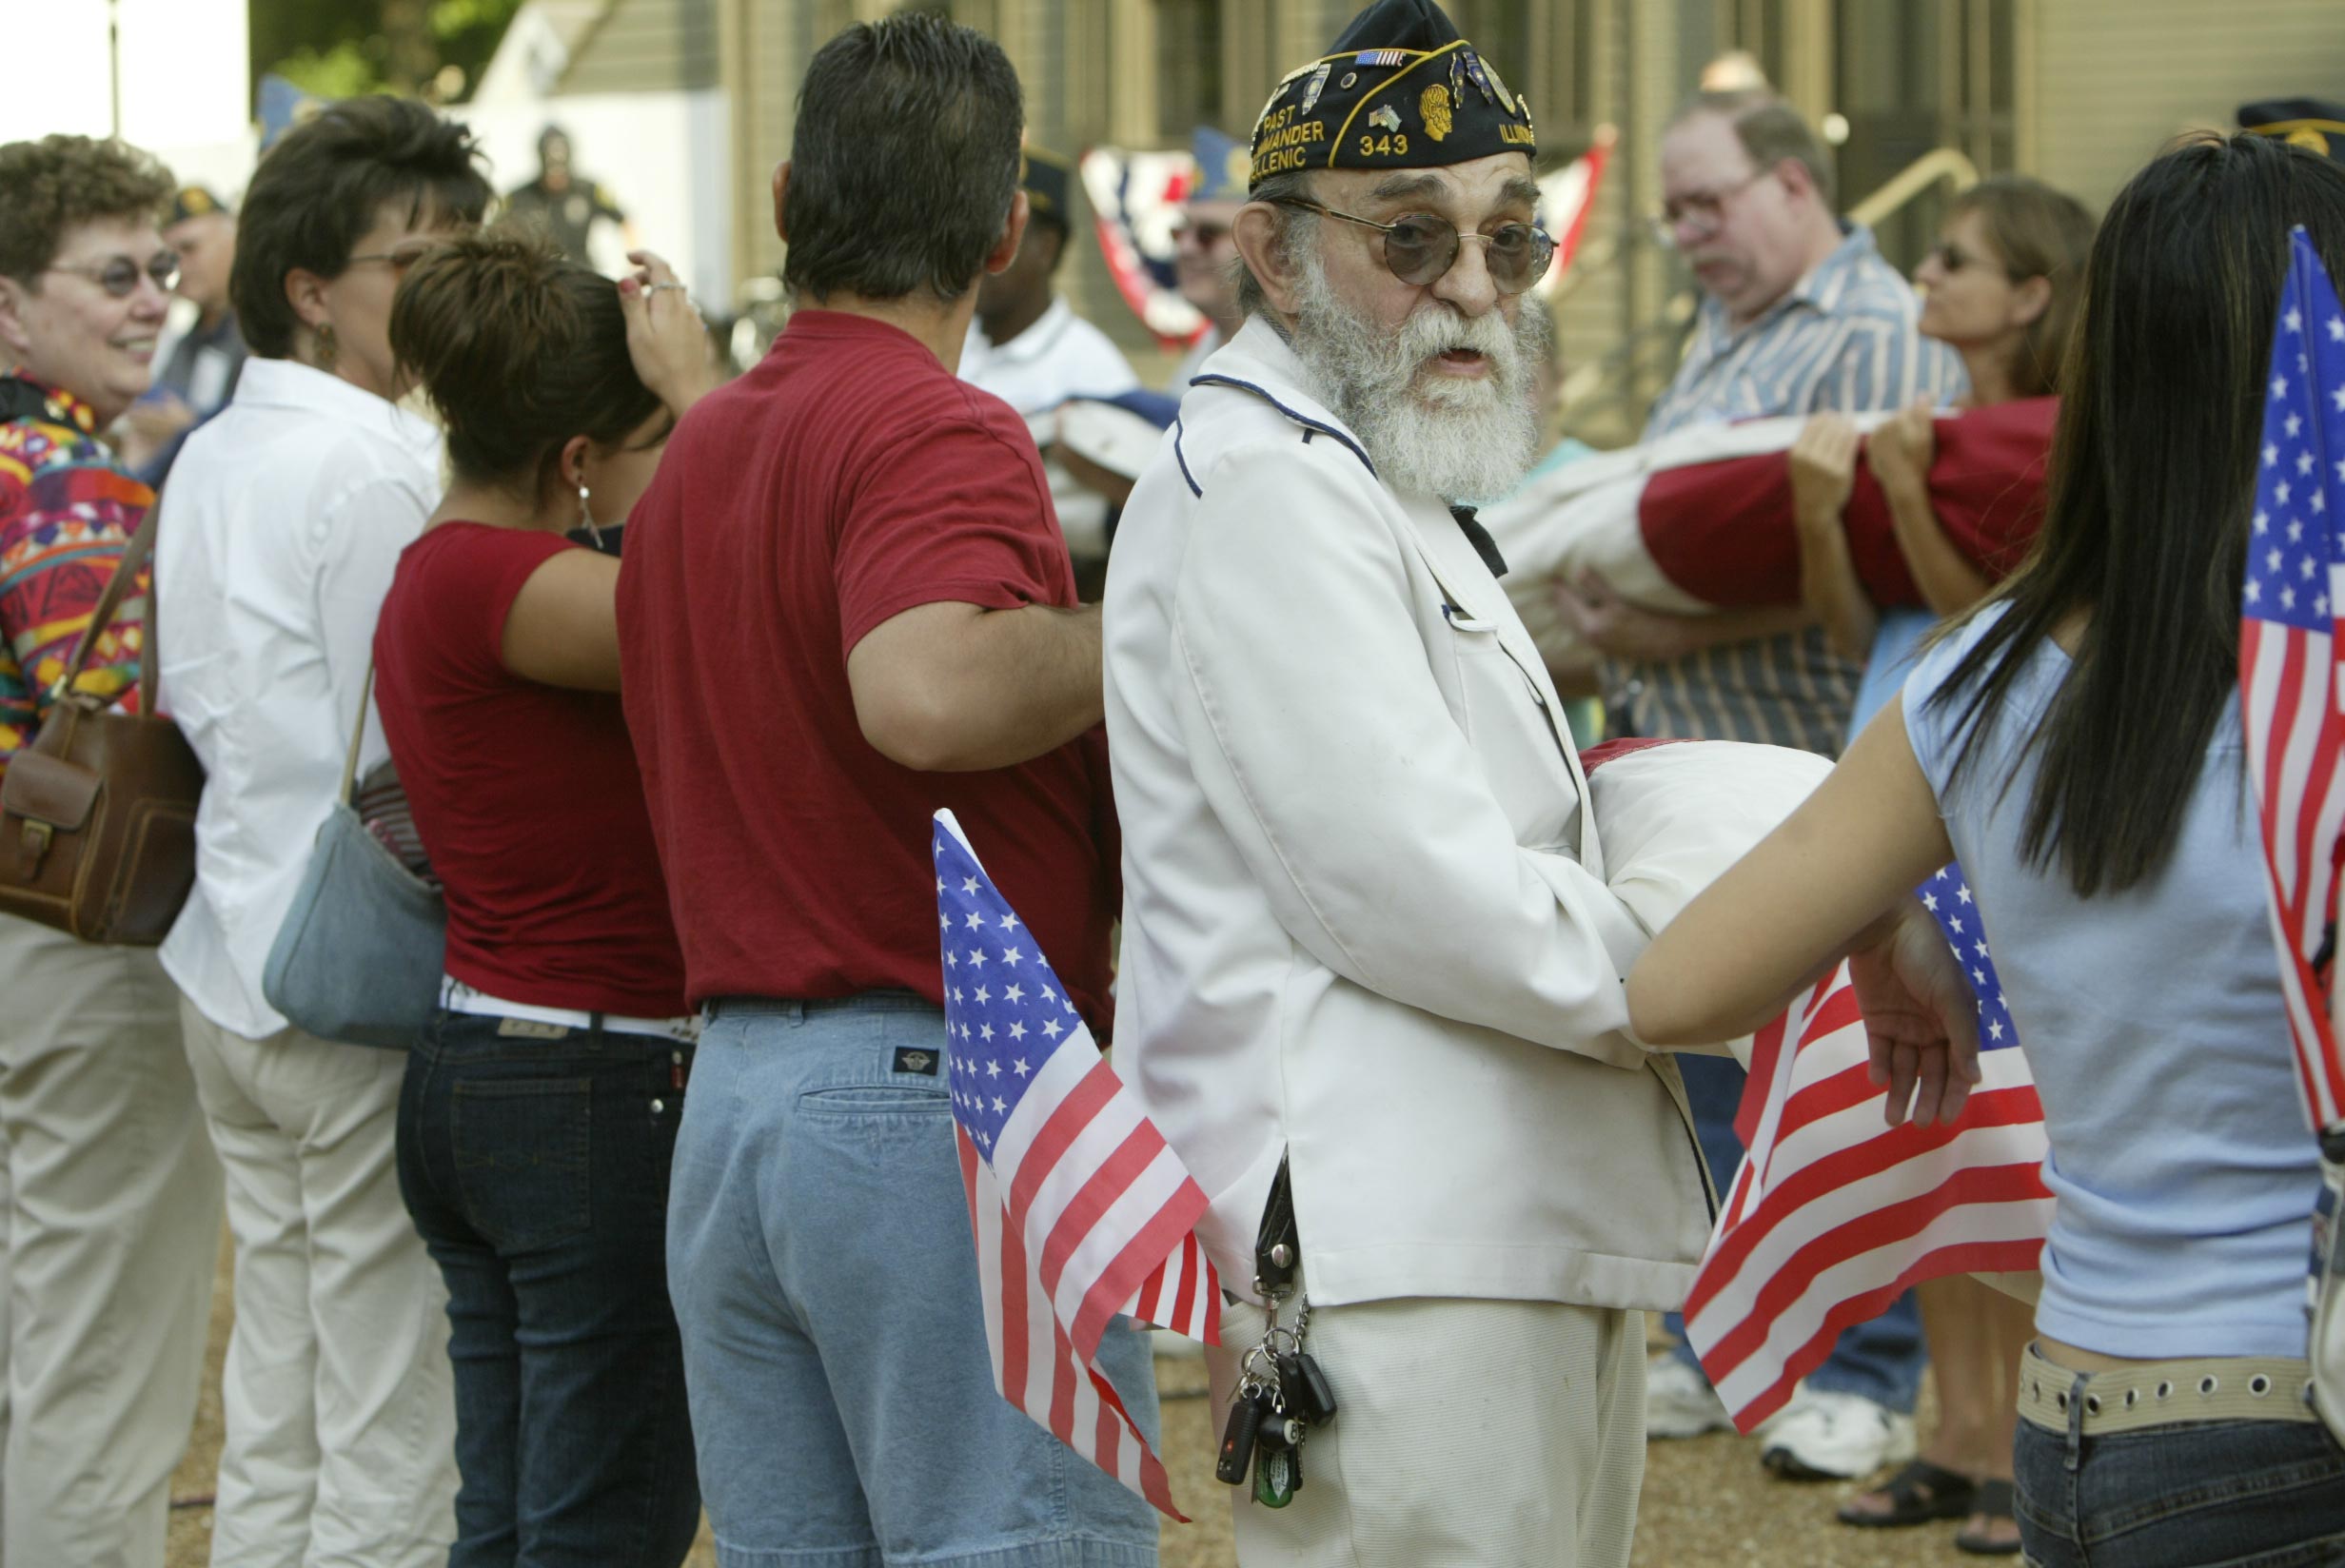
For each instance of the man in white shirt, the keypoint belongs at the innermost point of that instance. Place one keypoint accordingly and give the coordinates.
(1371, 969)
(1028, 347)
(1205, 258)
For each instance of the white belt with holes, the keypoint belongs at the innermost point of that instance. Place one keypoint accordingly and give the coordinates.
(458, 997)
(2162, 1393)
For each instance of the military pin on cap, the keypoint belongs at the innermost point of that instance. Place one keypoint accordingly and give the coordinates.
(1384, 117)
(1318, 84)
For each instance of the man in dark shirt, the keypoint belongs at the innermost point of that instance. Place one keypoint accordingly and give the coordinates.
(564, 203)
(844, 603)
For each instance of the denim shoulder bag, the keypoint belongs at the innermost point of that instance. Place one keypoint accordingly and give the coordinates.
(359, 956)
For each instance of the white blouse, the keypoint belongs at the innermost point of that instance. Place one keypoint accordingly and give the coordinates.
(282, 524)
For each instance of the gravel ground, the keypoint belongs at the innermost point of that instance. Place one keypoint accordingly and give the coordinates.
(1706, 1502)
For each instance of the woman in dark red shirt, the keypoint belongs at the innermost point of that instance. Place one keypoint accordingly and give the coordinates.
(538, 1115)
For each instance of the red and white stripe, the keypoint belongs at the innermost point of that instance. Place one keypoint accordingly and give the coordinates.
(1036, 1363)
(1100, 1200)
(1835, 1214)
(2289, 714)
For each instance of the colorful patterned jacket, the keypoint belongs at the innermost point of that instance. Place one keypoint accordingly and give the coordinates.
(67, 512)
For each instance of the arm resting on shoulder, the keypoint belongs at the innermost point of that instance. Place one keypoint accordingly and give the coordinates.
(562, 628)
(954, 687)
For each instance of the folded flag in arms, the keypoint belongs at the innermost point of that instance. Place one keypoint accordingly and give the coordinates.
(1079, 1207)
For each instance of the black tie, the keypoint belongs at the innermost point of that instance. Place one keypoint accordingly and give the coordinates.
(1480, 538)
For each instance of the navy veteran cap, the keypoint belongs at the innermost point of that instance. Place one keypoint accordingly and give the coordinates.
(1046, 180)
(2309, 123)
(1400, 89)
(191, 201)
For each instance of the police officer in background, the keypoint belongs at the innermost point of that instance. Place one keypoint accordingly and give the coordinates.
(197, 371)
(566, 204)
(1028, 347)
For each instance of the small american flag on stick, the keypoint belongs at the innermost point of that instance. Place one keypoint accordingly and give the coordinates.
(1080, 1209)
(2288, 688)
(1834, 1213)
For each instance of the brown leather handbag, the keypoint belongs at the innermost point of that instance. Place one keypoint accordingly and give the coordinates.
(97, 815)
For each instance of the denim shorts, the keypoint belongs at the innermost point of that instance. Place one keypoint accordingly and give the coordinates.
(825, 1282)
(2187, 1494)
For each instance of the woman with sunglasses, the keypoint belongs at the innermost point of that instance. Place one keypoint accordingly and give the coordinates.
(284, 521)
(2002, 286)
(496, 669)
(2077, 743)
(110, 1190)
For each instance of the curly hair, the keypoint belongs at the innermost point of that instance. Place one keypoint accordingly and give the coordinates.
(48, 186)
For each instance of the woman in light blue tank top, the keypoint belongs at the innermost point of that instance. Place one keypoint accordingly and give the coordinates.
(2076, 744)
(2001, 286)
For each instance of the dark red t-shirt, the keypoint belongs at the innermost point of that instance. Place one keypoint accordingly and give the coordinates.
(846, 479)
(526, 796)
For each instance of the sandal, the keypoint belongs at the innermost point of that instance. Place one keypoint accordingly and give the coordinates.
(1918, 1494)
(1994, 1499)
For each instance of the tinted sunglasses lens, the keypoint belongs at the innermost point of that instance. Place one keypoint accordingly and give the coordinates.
(1519, 255)
(119, 277)
(164, 270)
(1420, 249)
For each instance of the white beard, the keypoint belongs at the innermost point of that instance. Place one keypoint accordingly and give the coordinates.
(1429, 434)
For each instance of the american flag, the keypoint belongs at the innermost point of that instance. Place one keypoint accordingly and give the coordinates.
(1080, 1209)
(1834, 1213)
(2288, 688)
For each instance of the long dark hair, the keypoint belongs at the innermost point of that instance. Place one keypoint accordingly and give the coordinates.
(2146, 517)
(519, 349)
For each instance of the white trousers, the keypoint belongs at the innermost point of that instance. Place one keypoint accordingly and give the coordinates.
(1509, 1434)
(339, 1401)
(110, 1228)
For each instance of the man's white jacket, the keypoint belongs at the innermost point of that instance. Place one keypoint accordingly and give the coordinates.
(1365, 916)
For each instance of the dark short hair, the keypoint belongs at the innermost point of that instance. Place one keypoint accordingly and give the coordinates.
(52, 186)
(1769, 129)
(904, 160)
(324, 185)
(518, 349)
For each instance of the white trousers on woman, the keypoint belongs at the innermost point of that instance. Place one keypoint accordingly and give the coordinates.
(110, 1228)
(341, 1447)
(1467, 1432)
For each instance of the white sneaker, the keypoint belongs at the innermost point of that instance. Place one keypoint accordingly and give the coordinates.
(1679, 1400)
(1836, 1437)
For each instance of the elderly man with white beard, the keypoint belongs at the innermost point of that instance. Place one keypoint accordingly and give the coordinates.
(1370, 985)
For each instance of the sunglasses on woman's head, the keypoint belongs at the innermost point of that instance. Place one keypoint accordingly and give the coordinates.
(119, 275)
(1419, 248)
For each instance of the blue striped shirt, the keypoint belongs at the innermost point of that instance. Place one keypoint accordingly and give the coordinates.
(1844, 338)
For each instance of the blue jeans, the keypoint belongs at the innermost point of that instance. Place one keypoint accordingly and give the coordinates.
(2241, 1494)
(1881, 1360)
(537, 1171)
(826, 1281)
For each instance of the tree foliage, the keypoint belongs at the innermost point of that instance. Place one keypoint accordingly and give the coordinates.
(366, 45)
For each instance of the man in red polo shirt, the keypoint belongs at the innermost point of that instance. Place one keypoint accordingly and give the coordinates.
(844, 603)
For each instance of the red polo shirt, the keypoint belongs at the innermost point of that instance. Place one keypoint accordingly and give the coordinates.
(847, 478)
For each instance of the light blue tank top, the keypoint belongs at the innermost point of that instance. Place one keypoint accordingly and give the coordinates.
(2181, 1170)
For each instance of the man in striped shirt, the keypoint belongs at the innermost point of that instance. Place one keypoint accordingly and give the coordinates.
(1800, 313)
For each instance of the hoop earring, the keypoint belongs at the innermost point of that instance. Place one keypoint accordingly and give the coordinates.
(586, 516)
